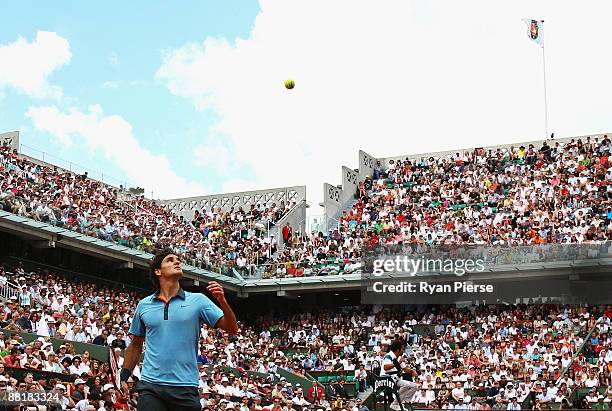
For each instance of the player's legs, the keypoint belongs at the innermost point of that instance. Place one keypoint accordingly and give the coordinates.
(150, 397)
(407, 390)
(395, 405)
(182, 398)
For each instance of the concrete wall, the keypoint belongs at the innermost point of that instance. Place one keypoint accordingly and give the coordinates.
(339, 198)
(296, 219)
(10, 139)
(350, 179)
(536, 143)
(187, 206)
(332, 202)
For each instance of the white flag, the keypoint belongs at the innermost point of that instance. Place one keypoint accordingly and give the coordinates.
(535, 30)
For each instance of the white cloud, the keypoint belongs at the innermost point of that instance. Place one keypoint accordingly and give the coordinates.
(215, 154)
(392, 78)
(113, 59)
(115, 84)
(26, 66)
(113, 136)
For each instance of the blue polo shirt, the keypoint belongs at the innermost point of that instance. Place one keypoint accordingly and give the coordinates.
(172, 335)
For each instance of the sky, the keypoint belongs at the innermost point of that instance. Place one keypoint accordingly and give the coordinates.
(187, 98)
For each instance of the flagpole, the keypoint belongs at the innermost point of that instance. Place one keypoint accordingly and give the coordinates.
(545, 99)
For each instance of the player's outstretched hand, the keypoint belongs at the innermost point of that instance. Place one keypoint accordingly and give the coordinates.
(216, 290)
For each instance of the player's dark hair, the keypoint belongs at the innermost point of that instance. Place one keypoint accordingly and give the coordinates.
(397, 344)
(156, 264)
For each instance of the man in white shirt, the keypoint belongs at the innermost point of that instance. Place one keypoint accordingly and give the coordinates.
(64, 401)
(458, 391)
(544, 396)
(593, 396)
(591, 381)
(567, 381)
(78, 367)
(510, 391)
(513, 404)
(57, 304)
(299, 399)
(566, 360)
(430, 394)
(223, 388)
(420, 397)
(473, 404)
(462, 405)
(522, 392)
(361, 375)
(76, 334)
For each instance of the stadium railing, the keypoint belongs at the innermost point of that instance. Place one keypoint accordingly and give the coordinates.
(8, 290)
(98, 246)
(51, 161)
(305, 268)
(582, 391)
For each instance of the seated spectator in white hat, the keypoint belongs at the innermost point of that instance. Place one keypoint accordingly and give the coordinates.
(299, 399)
(65, 401)
(52, 363)
(223, 387)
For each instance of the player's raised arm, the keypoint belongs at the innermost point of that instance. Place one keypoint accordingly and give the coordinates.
(228, 321)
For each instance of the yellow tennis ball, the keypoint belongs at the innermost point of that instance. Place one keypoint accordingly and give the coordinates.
(289, 84)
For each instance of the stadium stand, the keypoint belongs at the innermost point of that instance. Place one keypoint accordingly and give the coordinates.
(522, 195)
(57, 332)
(476, 356)
(214, 239)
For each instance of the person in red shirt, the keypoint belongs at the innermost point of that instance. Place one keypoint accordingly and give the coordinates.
(374, 240)
(287, 233)
(315, 392)
(13, 360)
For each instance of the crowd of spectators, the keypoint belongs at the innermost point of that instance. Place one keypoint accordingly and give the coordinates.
(51, 306)
(556, 193)
(496, 353)
(553, 194)
(214, 239)
(492, 357)
(477, 357)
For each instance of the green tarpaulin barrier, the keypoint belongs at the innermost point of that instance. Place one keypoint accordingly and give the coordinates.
(96, 352)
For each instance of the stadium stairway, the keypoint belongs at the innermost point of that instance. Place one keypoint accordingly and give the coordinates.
(334, 219)
(366, 394)
(346, 207)
(579, 393)
(276, 228)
